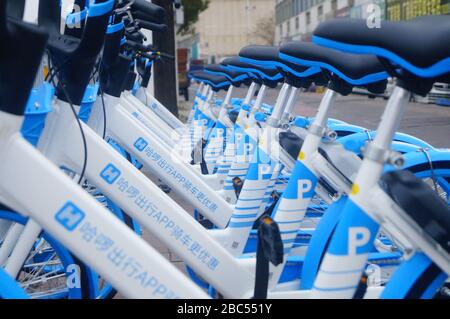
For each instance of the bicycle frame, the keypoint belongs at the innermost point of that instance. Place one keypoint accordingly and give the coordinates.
(214, 181)
(65, 127)
(347, 254)
(163, 113)
(159, 214)
(68, 210)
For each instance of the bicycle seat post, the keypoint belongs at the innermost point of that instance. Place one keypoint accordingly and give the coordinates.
(290, 105)
(250, 93)
(317, 128)
(278, 110)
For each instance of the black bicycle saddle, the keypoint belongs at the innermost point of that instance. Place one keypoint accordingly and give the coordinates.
(420, 45)
(216, 82)
(417, 51)
(269, 56)
(235, 77)
(267, 76)
(347, 70)
(232, 75)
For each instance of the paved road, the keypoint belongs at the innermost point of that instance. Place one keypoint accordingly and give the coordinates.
(426, 121)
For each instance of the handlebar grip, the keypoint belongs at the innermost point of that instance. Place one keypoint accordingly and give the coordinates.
(166, 56)
(161, 28)
(135, 45)
(150, 57)
(149, 8)
(135, 37)
(146, 17)
(177, 4)
(154, 55)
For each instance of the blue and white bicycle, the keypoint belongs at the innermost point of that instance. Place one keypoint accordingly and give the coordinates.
(330, 222)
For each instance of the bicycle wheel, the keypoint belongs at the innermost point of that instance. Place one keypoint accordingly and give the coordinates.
(50, 271)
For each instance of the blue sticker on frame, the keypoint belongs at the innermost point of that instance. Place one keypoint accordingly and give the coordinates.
(69, 216)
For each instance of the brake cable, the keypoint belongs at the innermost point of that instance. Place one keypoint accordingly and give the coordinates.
(56, 72)
(369, 135)
(430, 162)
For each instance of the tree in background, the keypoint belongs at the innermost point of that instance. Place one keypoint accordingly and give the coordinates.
(265, 30)
(192, 9)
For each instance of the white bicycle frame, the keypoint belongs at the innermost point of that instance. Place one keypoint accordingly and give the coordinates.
(62, 124)
(148, 111)
(248, 263)
(161, 215)
(146, 117)
(210, 184)
(66, 128)
(37, 188)
(163, 113)
(337, 180)
(178, 140)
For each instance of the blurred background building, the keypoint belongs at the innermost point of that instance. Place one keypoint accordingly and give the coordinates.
(228, 25)
(297, 19)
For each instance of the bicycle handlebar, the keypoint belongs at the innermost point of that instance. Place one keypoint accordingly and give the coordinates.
(177, 4)
(155, 55)
(145, 17)
(166, 56)
(162, 28)
(156, 13)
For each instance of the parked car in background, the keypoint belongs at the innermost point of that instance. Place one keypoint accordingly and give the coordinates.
(385, 95)
(439, 94)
